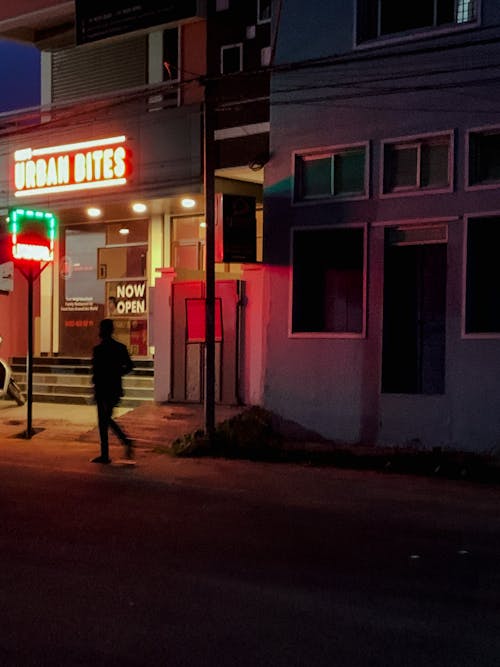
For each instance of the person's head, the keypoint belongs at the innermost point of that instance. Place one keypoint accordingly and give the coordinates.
(112, 304)
(106, 328)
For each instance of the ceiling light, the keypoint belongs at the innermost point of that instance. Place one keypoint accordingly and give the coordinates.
(187, 202)
(124, 231)
(139, 207)
(203, 224)
(94, 212)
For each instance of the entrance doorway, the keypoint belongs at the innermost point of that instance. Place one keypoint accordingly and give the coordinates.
(413, 353)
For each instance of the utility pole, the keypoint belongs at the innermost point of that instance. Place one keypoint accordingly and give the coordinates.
(209, 182)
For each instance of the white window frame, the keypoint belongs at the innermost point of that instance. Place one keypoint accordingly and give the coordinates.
(329, 152)
(488, 129)
(417, 34)
(226, 47)
(350, 335)
(259, 20)
(417, 141)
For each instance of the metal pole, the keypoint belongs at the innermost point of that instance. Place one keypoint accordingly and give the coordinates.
(29, 358)
(209, 173)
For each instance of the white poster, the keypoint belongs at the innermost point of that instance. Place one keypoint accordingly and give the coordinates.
(7, 277)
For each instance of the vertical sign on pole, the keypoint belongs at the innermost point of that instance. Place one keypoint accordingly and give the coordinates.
(33, 235)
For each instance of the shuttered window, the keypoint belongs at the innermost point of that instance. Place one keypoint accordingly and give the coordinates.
(96, 69)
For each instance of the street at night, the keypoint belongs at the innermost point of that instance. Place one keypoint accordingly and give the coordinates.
(263, 237)
(214, 562)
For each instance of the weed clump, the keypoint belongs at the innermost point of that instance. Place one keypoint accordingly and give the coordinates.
(249, 435)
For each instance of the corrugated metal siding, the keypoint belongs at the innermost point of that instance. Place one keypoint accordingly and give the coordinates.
(98, 68)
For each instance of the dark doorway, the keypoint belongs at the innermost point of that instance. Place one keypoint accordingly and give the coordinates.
(413, 356)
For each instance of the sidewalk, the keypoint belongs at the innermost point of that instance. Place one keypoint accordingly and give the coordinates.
(68, 434)
(150, 425)
(66, 439)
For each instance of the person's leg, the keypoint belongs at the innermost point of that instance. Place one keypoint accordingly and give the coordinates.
(120, 433)
(104, 411)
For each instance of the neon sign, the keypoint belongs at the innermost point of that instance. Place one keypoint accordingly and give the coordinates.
(33, 234)
(102, 163)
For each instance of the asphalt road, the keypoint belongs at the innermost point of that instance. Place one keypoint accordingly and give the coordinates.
(231, 563)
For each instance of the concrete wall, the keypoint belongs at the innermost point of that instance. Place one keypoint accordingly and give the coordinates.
(334, 385)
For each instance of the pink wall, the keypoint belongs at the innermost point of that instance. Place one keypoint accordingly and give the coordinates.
(14, 315)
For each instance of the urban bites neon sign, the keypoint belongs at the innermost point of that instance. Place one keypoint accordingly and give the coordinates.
(102, 163)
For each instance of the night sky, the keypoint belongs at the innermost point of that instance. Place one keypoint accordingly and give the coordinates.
(19, 76)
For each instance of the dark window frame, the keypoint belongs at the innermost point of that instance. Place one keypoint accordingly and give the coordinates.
(302, 157)
(481, 291)
(173, 73)
(373, 18)
(474, 178)
(420, 143)
(307, 305)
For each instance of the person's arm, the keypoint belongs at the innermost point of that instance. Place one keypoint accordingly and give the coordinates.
(93, 365)
(127, 364)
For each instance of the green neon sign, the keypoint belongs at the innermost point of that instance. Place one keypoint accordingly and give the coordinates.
(33, 234)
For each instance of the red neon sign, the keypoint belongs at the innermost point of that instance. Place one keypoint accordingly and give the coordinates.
(33, 234)
(100, 163)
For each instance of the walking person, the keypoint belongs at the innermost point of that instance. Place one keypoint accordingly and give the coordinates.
(110, 362)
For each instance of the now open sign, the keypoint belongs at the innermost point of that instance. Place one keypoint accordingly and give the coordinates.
(127, 298)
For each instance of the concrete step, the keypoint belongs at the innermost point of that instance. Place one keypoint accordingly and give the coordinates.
(129, 381)
(68, 380)
(131, 391)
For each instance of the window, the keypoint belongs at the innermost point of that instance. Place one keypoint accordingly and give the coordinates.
(421, 164)
(380, 18)
(220, 5)
(263, 11)
(482, 311)
(231, 60)
(340, 173)
(484, 157)
(171, 54)
(328, 281)
(188, 242)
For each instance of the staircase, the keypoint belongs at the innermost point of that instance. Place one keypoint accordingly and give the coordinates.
(68, 380)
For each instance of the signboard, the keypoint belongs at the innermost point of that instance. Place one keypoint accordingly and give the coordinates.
(126, 298)
(85, 165)
(235, 229)
(99, 19)
(33, 234)
(196, 320)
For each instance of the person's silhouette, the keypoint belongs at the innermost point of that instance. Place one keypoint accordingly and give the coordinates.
(110, 362)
